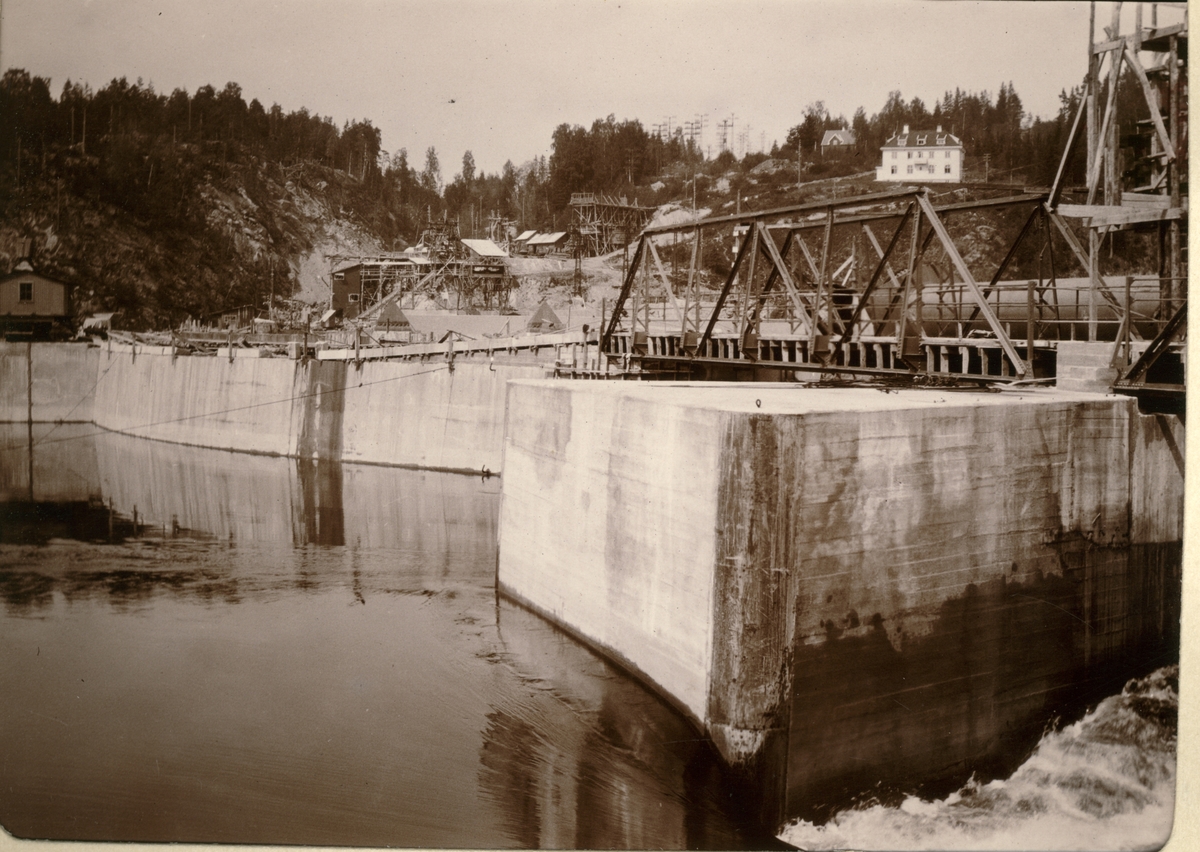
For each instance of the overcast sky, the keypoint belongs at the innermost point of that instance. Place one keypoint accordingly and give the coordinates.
(498, 77)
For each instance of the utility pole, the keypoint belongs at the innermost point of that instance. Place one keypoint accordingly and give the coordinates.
(726, 129)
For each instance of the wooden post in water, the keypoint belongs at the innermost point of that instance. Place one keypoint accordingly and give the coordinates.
(29, 408)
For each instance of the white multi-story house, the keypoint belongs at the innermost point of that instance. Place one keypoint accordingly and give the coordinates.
(922, 156)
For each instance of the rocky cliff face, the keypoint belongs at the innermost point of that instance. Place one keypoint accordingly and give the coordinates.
(231, 235)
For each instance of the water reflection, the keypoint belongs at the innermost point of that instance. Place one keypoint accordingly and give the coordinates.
(565, 785)
(211, 647)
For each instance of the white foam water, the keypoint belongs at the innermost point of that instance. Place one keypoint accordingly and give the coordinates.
(1106, 782)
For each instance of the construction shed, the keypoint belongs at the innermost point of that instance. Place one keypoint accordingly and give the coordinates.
(543, 244)
(34, 306)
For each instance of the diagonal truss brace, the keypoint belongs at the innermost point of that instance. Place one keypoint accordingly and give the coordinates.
(666, 281)
(960, 265)
(743, 250)
(879, 269)
(780, 270)
(626, 288)
(1012, 251)
(1136, 374)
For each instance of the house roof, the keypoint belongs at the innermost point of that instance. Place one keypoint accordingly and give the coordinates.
(923, 139)
(392, 261)
(485, 248)
(837, 137)
(525, 235)
(547, 239)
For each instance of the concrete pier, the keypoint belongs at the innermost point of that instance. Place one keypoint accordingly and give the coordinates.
(850, 588)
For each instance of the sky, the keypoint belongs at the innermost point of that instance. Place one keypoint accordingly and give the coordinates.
(496, 78)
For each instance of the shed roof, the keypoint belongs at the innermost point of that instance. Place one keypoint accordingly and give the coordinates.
(525, 235)
(547, 239)
(391, 261)
(485, 248)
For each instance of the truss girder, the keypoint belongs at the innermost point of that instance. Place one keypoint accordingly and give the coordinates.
(827, 305)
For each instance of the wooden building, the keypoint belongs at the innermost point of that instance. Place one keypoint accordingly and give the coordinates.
(837, 143)
(34, 306)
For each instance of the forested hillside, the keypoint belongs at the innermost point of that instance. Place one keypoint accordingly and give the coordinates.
(169, 206)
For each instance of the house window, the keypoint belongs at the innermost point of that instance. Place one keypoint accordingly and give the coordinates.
(902, 141)
(910, 155)
(921, 140)
(339, 276)
(920, 155)
(947, 168)
(947, 155)
(941, 140)
(893, 169)
(26, 291)
(893, 155)
(353, 297)
(910, 170)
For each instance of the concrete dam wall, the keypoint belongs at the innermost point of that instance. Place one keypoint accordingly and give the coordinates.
(846, 588)
(439, 412)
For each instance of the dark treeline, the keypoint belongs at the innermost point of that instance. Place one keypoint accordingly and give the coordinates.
(151, 157)
(142, 150)
(997, 132)
(137, 148)
(1003, 143)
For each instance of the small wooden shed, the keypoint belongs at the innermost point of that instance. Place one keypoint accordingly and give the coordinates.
(34, 306)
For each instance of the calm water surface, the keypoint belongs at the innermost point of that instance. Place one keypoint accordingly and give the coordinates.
(291, 652)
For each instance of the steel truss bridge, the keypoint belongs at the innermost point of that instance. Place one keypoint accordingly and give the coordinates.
(877, 285)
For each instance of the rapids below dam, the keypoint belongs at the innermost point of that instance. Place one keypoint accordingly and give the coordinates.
(205, 646)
